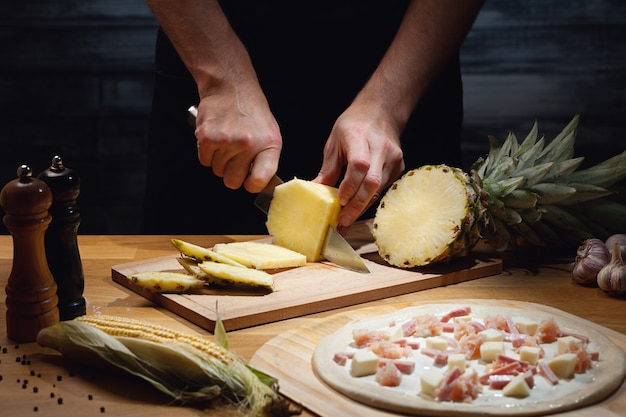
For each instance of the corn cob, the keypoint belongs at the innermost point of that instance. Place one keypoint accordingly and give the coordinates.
(187, 367)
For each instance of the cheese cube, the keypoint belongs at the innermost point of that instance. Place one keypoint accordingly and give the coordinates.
(525, 325)
(489, 350)
(462, 319)
(492, 335)
(517, 387)
(430, 380)
(438, 343)
(562, 343)
(395, 332)
(364, 362)
(458, 360)
(563, 365)
(530, 354)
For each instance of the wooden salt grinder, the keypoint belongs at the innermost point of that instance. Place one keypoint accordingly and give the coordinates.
(61, 238)
(31, 290)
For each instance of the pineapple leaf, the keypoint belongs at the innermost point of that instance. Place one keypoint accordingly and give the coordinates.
(533, 175)
(529, 142)
(561, 218)
(550, 193)
(584, 192)
(504, 169)
(528, 158)
(503, 187)
(560, 149)
(562, 169)
(520, 199)
(603, 174)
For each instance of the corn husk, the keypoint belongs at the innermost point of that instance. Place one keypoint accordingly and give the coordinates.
(181, 371)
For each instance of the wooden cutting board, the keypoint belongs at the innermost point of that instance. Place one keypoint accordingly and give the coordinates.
(288, 357)
(309, 289)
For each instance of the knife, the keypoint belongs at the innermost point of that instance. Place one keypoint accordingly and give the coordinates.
(336, 249)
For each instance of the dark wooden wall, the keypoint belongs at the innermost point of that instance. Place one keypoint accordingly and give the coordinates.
(75, 79)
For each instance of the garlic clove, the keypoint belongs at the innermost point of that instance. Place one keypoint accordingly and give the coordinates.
(591, 257)
(612, 277)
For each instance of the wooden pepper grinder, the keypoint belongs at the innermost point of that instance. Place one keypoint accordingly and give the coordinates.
(31, 290)
(61, 238)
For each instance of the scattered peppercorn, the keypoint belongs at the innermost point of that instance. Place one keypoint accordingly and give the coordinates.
(52, 395)
(90, 397)
(102, 409)
(35, 389)
(35, 408)
(32, 373)
(59, 377)
(60, 400)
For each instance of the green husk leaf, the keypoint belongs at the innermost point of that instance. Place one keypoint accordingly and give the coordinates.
(221, 338)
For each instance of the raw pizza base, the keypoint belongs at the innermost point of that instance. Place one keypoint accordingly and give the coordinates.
(606, 375)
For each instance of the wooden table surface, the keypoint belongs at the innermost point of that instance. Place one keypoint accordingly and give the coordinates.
(35, 386)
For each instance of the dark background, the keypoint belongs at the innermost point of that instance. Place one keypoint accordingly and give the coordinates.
(76, 80)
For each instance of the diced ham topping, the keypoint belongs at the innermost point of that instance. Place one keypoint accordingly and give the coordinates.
(544, 370)
(405, 367)
(341, 358)
(462, 311)
(458, 387)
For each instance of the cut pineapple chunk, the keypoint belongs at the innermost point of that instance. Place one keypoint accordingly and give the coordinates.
(224, 274)
(300, 214)
(429, 215)
(260, 255)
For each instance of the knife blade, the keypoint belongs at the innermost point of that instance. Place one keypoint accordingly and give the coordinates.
(336, 249)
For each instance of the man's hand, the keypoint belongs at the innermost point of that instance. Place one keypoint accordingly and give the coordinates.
(238, 138)
(365, 141)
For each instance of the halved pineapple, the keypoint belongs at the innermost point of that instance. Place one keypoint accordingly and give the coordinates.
(429, 215)
(260, 255)
(300, 214)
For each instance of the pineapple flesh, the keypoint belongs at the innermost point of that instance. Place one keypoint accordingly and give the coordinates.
(427, 216)
(300, 214)
(529, 193)
(260, 255)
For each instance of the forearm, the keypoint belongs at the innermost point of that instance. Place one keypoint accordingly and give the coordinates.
(205, 41)
(430, 34)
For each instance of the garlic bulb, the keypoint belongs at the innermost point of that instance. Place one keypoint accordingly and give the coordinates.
(591, 257)
(619, 238)
(612, 278)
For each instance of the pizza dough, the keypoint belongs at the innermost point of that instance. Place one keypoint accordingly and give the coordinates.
(597, 383)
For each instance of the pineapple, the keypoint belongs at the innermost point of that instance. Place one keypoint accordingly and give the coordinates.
(300, 214)
(260, 255)
(431, 215)
(527, 192)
